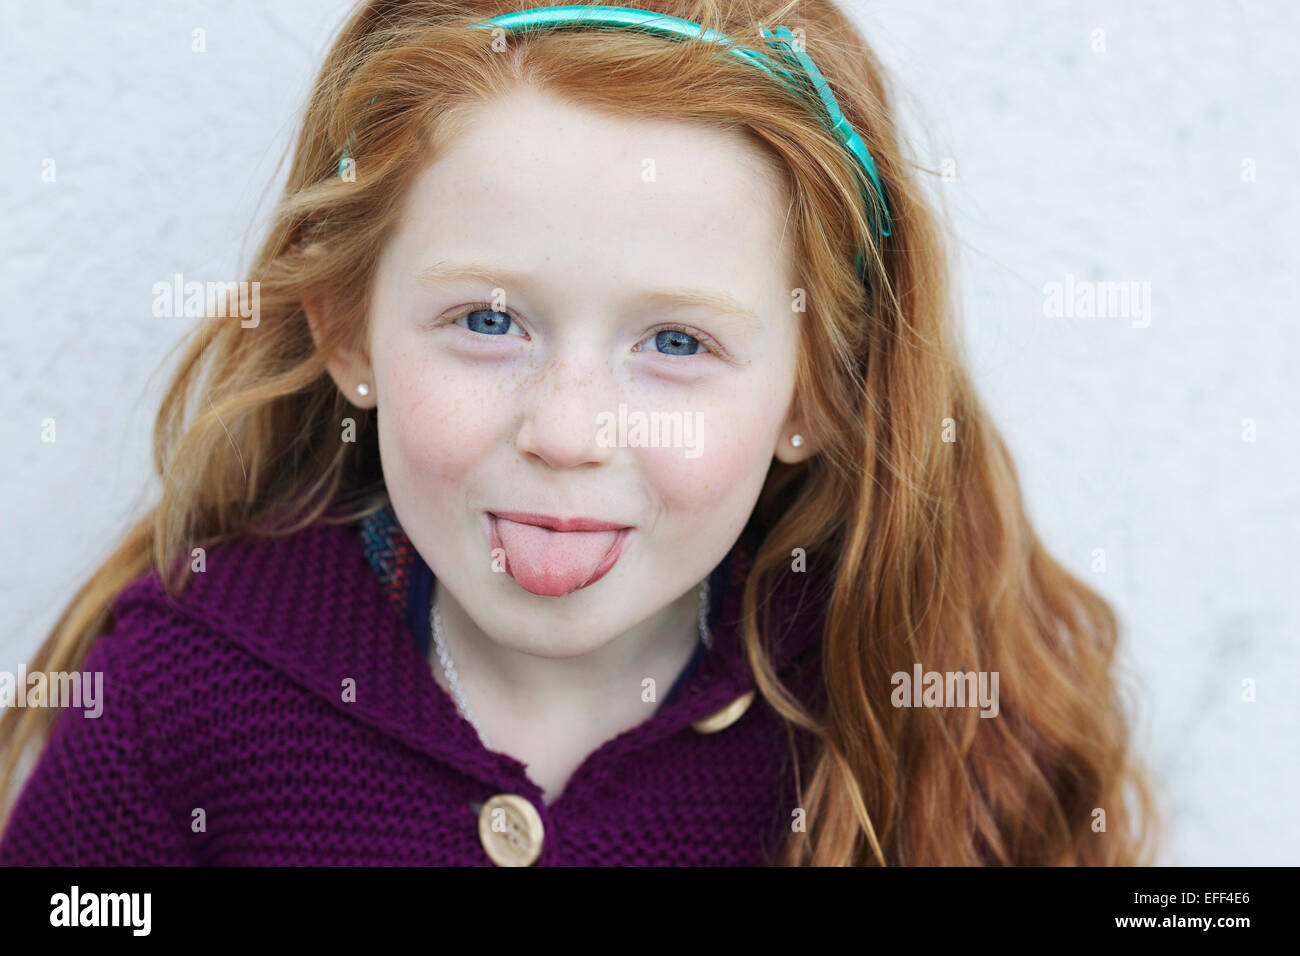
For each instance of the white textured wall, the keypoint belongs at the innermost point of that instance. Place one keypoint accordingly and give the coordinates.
(1122, 164)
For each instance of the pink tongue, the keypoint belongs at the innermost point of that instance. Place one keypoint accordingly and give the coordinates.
(549, 562)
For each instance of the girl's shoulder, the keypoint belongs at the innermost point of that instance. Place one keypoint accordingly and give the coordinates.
(269, 640)
(251, 573)
(286, 599)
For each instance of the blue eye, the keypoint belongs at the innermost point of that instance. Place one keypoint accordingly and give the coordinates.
(676, 342)
(487, 321)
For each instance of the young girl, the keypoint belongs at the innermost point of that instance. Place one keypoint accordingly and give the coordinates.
(599, 483)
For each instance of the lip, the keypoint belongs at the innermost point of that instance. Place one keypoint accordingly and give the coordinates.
(582, 524)
(559, 524)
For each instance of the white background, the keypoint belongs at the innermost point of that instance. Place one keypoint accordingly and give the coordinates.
(1110, 166)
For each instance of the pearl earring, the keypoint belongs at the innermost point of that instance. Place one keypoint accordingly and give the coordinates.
(796, 440)
(363, 389)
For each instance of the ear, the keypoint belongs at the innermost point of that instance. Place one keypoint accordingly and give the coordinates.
(348, 367)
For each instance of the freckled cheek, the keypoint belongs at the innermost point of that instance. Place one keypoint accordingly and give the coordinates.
(444, 422)
(726, 462)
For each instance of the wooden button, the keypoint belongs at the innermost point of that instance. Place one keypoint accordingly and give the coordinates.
(510, 829)
(724, 718)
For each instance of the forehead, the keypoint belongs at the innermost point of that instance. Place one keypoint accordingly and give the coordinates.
(536, 181)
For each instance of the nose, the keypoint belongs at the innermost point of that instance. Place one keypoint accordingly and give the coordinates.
(562, 404)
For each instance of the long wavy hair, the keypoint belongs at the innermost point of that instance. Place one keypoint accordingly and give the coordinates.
(911, 508)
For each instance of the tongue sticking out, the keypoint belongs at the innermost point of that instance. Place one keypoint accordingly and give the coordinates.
(553, 563)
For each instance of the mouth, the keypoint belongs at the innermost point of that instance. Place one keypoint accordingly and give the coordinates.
(553, 556)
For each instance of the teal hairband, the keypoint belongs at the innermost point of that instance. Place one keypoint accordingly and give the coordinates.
(782, 40)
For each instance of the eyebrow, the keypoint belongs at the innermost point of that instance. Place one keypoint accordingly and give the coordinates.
(665, 298)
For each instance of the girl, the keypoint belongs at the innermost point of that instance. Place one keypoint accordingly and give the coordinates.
(599, 484)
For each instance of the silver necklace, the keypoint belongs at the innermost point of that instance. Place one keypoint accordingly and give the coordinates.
(449, 669)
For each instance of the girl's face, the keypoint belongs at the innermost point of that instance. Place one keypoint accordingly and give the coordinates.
(559, 278)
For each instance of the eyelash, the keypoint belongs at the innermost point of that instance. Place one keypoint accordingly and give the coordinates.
(702, 337)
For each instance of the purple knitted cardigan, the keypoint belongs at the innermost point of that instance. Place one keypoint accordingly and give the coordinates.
(226, 736)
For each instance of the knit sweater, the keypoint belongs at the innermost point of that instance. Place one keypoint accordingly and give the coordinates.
(278, 712)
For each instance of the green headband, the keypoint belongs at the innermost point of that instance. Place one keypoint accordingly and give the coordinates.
(782, 41)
